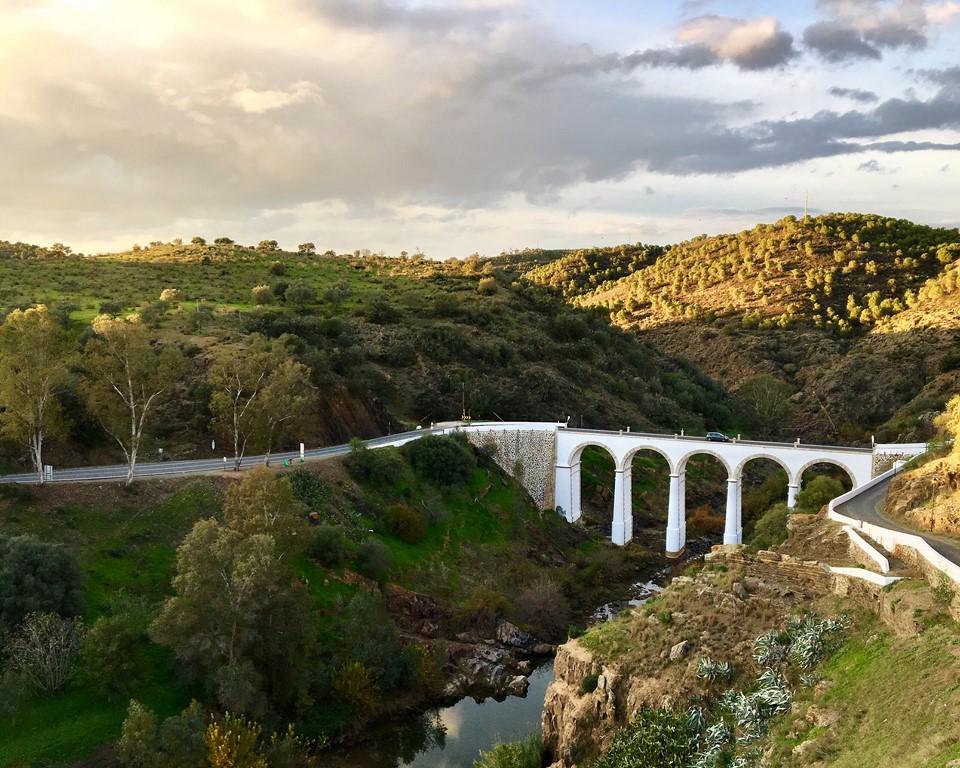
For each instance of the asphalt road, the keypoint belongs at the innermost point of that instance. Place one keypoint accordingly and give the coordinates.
(204, 466)
(868, 506)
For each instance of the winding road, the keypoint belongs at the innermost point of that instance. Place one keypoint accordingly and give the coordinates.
(868, 507)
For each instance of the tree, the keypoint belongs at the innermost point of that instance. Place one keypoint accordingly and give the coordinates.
(34, 357)
(306, 249)
(223, 241)
(238, 611)
(198, 240)
(268, 246)
(765, 400)
(258, 393)
(287, 396)
(129, 377)
(37, 577)
(43, 648)
(264, 503)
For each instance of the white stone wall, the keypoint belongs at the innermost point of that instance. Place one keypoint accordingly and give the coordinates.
(531, 453)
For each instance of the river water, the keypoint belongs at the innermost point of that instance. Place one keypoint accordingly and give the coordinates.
(453, 737)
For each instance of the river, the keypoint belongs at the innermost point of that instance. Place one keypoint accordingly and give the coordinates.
(452, 737)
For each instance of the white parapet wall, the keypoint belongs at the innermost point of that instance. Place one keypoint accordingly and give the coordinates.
(886, 455)
(890, 539)
(867, 549)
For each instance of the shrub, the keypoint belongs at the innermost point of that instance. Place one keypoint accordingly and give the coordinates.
(109, 652)
(42, 649)
(354, 684)
(525, 753)
(262, 294)
(382, 465)
(170, 295)
(111, 308)
(487, 286)
(443, 459)
(37, 577)
(406, 523)
(657, 738)
(771, 529)
(543, 607)
(482, 609)
(589, 682)
(328, 546)
(374, 561)
(300, 294)
(277, 268)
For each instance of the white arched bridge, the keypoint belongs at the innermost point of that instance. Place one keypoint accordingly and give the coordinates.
(549, 454)
(568, 445)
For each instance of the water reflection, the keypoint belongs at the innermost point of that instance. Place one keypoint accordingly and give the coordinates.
(451, 737)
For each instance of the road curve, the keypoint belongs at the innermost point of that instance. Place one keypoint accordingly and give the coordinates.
(868, 506)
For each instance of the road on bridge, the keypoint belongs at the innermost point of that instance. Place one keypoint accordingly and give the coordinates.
(868, 507)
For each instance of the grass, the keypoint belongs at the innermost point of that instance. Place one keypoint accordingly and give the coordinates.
(896, 697)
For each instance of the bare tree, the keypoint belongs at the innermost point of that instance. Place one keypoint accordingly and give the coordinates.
(43, 648)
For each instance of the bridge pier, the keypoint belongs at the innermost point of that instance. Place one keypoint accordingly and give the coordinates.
(792, 490)
(622, 530)
(567, 490)
(676, 515)
(733, 527)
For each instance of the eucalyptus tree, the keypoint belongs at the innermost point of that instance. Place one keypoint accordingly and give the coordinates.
(34, 357)
(259, 392)
(130, 374)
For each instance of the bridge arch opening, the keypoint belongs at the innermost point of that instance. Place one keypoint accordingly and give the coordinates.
(819, 481)
(596, 484)
(649, 472)
(703, 496)
(764, 488)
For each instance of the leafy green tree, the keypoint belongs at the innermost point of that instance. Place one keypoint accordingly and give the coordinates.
(765, 401)
(237, 606)
(34, 357)
(264, 503)
(300, 294)
(443, 459)
(176, 742)
(110, 653)
(818, 492)
(129, 376)
(259, 394)
(374, 561)
(306, 249)
(37, 577)
(198, 240)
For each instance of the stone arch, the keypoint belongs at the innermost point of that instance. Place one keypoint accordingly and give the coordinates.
(738, 470)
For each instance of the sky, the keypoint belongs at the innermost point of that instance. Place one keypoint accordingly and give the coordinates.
(471, 125)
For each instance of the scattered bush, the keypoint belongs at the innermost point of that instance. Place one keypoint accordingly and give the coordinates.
(543, 608)
(374, 561)
(170, 295)
(328, 546)
(300, 294)
(487, 286)
(589, 682)
(278, 268)
(443, 459)
(262, 294)
(771, 529)
(381, 465)
(406, 523)
(817, 493)
(525, 753)
(657, 738)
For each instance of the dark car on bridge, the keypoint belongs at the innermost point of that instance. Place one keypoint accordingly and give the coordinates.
(718, 437)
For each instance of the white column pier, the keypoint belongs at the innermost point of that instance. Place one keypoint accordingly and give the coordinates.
(622, 530)
(733, 528)
(792, 490)
(567, 490)
(676, 517)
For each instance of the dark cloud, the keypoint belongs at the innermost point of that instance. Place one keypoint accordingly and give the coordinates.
(871, 166)
(682, 57)
(891, 34)
(835, 42)
(863, 97)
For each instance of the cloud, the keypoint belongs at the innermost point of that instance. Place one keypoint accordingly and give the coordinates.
(863, 28)
(710, 39)
(836, 42)
(863, 97)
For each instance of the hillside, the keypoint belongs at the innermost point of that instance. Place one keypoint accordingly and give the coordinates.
(856, 314)
(388, 342)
